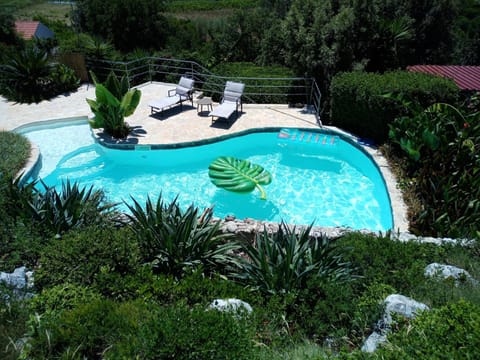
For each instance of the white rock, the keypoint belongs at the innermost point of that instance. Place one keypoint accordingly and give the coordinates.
(17, 279)
(401, 305)
(372, 342)
(448, 271)
(230, 305)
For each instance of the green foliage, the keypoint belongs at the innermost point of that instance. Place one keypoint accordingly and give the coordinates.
(65, 78)
(29, 76)
(449, 332)
(132, 330)
(15, 150)
(381, 260)
(274, 89)
(13, 317)
(467, 34)
(79, 257)
(8, 35)
(174, 240)
(125, 23)
(114, 102)
(204, 5)
(238, 175)
(284, 261)
(441, 144)
(53, 301)
(26, 76)
(358, 104)
(72, 207)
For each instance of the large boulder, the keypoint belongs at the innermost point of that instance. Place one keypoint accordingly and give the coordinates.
(394, 304)
(20, 278)
(449, 271)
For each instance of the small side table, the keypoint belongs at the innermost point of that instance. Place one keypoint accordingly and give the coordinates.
(205, 101)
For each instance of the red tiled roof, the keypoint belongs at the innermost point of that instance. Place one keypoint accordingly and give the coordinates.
(26, 29)
(466, 77)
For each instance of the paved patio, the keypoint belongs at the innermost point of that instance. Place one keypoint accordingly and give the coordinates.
(171, 126)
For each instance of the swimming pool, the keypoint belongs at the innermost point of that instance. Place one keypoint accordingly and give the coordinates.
(316, 177)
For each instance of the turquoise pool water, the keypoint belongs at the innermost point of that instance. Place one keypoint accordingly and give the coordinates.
(317, 177)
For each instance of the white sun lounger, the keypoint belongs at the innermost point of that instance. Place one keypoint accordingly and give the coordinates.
(183, 92)
(231, 100)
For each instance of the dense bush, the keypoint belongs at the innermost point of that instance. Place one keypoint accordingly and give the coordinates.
(81, 257)
(382, 260)
(131, 330)
(358, 104)
(195, 5)
(30, 76)
(125, 23)
(449, 332)
(276, 90)
(14, 314)
(441, 144)
(15, 150)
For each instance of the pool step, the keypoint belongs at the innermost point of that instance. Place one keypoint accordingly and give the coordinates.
(307, 137)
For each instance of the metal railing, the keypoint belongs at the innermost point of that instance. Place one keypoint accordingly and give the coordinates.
(295, 91)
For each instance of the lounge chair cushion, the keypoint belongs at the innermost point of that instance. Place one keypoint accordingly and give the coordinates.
(224, 110)
(164, 102)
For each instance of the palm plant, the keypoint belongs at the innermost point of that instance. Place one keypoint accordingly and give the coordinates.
(26, 75)
(282, 262)
(173, 240)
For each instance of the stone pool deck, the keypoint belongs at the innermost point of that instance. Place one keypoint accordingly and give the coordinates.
(178, 125)
(172, 126)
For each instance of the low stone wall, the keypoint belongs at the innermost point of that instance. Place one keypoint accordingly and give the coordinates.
(247, 228)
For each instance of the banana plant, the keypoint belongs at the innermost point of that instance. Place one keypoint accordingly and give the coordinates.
(110, 111)
(238, 175)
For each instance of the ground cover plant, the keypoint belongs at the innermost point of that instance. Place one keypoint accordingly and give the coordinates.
(97, 293)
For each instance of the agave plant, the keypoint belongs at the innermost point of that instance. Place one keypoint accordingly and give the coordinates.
(238, 175)
(284, 261)
(73, 207)
(173, 240)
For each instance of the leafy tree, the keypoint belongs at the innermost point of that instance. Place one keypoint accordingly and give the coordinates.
(467, 34)
(7, 28)
(126, 23)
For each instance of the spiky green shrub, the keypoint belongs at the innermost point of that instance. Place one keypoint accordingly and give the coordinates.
(283, 261)
(72, 207)
(30, 76)
(173, 240)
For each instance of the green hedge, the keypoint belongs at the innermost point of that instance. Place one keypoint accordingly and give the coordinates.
(260, 91)
(358, 104)
(203, 5)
